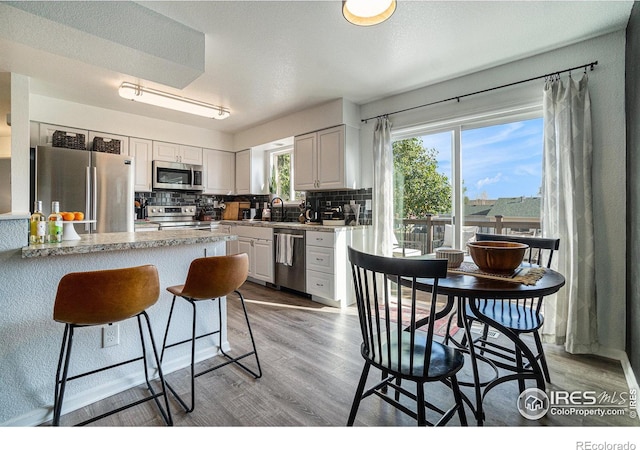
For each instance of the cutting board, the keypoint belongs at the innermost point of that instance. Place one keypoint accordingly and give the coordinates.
(231, 211)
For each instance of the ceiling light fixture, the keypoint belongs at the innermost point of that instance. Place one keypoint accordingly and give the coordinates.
(368, 12)
(150, 96)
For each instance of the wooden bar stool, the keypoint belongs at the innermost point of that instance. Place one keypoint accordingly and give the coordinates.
(103, 297)
(209, 279)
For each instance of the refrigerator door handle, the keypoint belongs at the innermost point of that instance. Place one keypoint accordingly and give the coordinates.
(94, 212)
(87, 203)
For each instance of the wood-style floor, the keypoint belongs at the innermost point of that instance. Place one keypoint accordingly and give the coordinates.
(311, 365)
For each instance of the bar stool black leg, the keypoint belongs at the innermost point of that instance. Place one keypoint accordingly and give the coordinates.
(166, 330)
(193, 338)
(166, 413)
(65, 353)
(253, 342)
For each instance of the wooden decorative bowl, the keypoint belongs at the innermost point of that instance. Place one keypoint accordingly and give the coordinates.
(497, 256)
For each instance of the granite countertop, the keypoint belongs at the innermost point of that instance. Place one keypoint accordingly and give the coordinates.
(100, 242)
(293, 225)
(15, 216)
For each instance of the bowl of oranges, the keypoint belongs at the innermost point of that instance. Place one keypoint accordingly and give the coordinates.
(72, 216)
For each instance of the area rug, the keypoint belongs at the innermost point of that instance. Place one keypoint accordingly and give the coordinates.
(440, 326)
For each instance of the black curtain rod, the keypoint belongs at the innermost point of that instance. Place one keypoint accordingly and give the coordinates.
(591, 65)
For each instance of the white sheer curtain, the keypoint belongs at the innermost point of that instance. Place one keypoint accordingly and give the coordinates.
(570, 315)
(382, 188)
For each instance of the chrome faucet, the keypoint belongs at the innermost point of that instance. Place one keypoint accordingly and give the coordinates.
(281, 207)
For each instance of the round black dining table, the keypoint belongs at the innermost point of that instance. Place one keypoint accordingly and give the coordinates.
(469, 290)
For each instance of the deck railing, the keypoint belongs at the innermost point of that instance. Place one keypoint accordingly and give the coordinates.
(427, 233)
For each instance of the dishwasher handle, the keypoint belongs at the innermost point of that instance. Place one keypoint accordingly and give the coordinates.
(295, 236)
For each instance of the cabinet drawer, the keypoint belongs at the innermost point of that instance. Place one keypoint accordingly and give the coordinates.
(255, 232)
(320, 259)
(320, 284)
(320, 239)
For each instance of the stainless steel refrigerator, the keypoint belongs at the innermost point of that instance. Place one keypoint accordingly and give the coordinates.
(96, 183)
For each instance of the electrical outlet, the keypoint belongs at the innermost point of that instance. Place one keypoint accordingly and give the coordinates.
(110, 335)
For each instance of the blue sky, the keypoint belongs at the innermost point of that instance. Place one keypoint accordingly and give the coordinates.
(497, 161)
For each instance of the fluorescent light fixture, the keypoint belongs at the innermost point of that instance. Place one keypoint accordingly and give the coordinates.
(368, 12)
(150, 96)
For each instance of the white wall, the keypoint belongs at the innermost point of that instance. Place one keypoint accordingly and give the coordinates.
(334, 112)
(20, 143)
(606, 85)
(64, 113)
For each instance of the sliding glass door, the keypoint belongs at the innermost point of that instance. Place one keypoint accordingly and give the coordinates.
(487, 173)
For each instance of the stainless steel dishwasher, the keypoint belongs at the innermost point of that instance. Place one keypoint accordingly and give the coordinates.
(289, 276)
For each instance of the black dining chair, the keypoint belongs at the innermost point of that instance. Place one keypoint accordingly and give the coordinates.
(521, 316)
(386, 298)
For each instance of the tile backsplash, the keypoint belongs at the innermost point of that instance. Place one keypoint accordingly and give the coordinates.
(316, 200)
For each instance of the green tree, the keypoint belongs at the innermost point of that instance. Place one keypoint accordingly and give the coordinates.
(283, 167)
(418, 187)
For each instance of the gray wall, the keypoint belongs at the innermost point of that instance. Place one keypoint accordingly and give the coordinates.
(632, 86)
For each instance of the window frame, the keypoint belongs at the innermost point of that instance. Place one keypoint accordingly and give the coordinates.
(271, 154)
(456, 125)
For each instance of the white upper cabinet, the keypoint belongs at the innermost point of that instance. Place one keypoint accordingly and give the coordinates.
(190, 155)
(219, 172)
(250, 173)
(166, 151)
(304, 162)
(327, 159)
(141, 150)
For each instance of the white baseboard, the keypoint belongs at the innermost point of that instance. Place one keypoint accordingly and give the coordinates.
(71, 403)
(629, 375)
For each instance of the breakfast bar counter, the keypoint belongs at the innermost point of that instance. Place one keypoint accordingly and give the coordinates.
(102, 242)
(31, 339)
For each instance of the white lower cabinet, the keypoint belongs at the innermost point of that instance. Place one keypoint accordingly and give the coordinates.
(263, 266)
(328, 275)
(321, 284)
(245, 245)
(257, 243)
(328, 272)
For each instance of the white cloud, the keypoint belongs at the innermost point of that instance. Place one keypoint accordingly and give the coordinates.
(489, 180)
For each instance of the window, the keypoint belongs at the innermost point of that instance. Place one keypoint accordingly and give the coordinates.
(488, 172)
(281, 176)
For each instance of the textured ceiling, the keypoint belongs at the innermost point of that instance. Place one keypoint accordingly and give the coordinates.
(266, 59)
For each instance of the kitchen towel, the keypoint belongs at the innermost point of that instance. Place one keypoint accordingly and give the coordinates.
(284, 249)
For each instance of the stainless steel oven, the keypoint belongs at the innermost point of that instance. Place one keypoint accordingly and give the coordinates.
(176, 218)
(177, 176)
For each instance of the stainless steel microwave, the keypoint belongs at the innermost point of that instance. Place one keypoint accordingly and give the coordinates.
(177, 176)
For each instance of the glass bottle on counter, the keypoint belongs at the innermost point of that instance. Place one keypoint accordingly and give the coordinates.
(55, 224)
(37, 225)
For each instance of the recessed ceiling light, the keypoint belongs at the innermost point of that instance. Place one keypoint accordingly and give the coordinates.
(368, 12)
